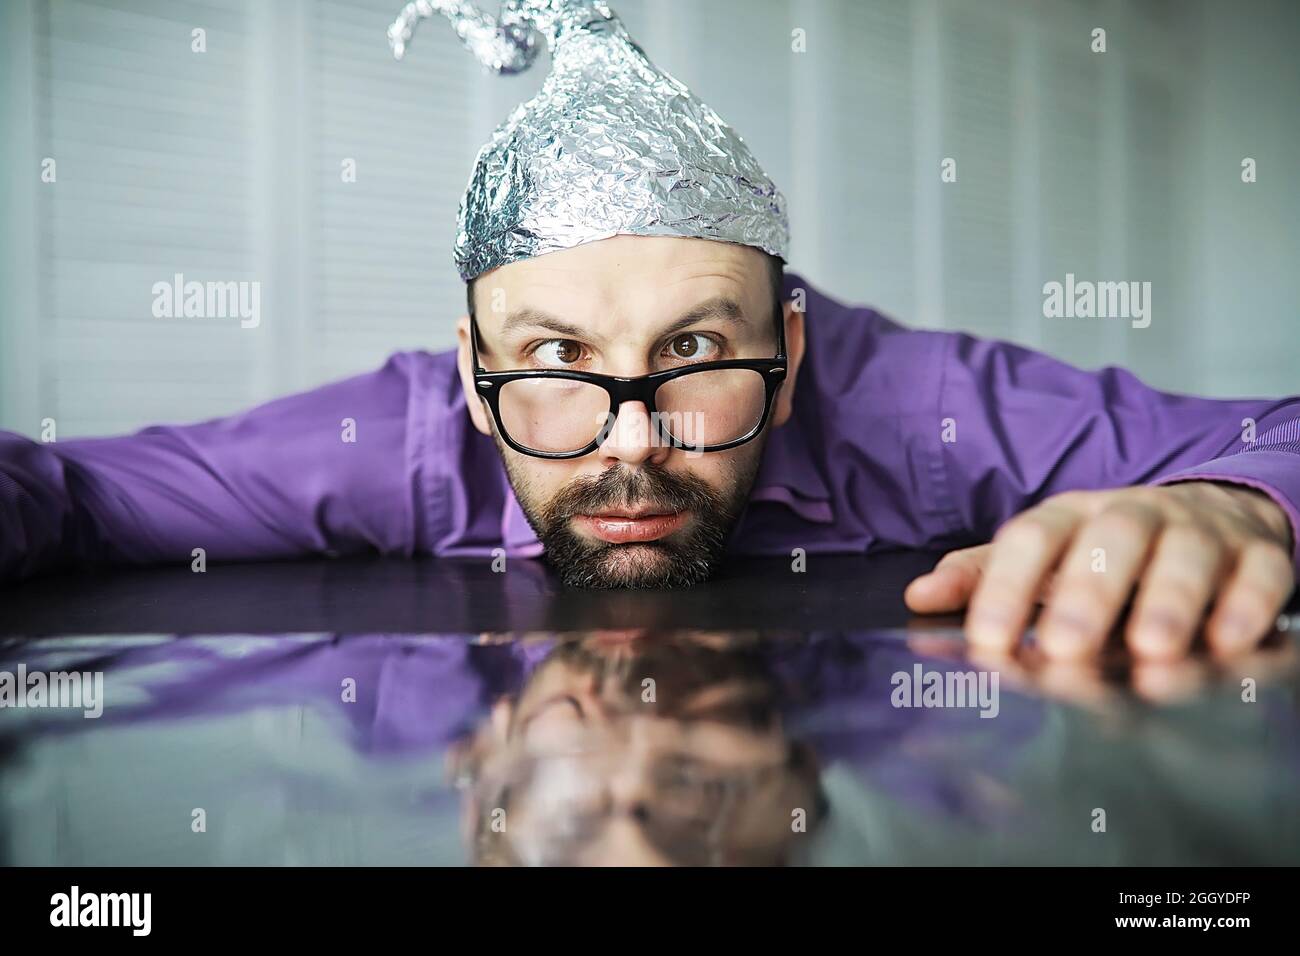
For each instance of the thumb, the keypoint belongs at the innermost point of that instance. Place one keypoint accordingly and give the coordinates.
(949, 586)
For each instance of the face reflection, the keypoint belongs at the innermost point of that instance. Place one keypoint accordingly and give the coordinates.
(593, 766)
(636, 512)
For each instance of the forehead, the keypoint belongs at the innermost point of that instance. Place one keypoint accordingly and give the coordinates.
(633, 276)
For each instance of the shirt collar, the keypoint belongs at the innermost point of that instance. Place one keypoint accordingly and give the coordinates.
(789, 476)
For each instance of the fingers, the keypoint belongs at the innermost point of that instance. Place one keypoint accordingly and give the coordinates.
(1096, 551)
(1186, 566)
(1096, 578)
(949, 586)
(1251, 599)
(1022, 554)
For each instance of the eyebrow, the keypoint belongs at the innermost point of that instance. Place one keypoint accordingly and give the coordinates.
(719, 307)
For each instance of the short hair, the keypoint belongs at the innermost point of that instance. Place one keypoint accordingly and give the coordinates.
(775, 278)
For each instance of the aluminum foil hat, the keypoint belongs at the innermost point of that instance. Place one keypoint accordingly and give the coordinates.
(610, 144)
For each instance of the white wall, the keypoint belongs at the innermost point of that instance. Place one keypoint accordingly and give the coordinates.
(226, 165)
(1246, 242)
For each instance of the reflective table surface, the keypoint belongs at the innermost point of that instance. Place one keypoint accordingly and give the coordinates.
(638, 746)
(449, 596)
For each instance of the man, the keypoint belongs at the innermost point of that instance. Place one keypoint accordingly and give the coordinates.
(659, 391)
(590, 768)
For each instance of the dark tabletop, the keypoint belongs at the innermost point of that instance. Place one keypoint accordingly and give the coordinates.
(346, 712)
(366, 595)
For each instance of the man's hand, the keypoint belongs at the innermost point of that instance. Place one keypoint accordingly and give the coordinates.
(1185, 547)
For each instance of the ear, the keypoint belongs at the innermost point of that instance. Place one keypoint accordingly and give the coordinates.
(477, 405)
(794, 350)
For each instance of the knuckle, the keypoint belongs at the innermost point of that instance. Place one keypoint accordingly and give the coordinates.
(995, 588)
(1256, 597)
(1128, 520)
(997, 592)
(1184, 538)
(1167, 617)
(1168, 501)
(1273, 561)
(1029, 532)
(1154, 499)
(1090, 590)
(1073, 500)
(1175, 588)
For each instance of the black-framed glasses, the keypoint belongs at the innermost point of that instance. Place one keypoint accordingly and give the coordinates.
(558, 413)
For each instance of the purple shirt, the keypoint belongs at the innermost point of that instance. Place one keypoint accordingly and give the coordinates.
(900, 438)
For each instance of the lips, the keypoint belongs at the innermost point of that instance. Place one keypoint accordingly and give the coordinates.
(630, 528)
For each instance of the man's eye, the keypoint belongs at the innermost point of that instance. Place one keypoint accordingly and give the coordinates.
(558, 352)
(692, 345)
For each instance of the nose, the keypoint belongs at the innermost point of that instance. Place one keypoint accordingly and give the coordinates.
(633, 439)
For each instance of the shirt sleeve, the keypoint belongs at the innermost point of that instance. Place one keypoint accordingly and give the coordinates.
(1025, 426)
(326, 471)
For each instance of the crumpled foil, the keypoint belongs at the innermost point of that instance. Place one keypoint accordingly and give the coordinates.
(610, 145)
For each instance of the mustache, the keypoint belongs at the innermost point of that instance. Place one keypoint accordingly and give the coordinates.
(619, 487)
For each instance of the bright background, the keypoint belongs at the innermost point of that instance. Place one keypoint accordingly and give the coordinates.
(226, 166)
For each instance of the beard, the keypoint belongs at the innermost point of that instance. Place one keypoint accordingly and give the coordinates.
(679, 560)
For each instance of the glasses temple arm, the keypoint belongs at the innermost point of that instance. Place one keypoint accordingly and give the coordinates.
(473, 345)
